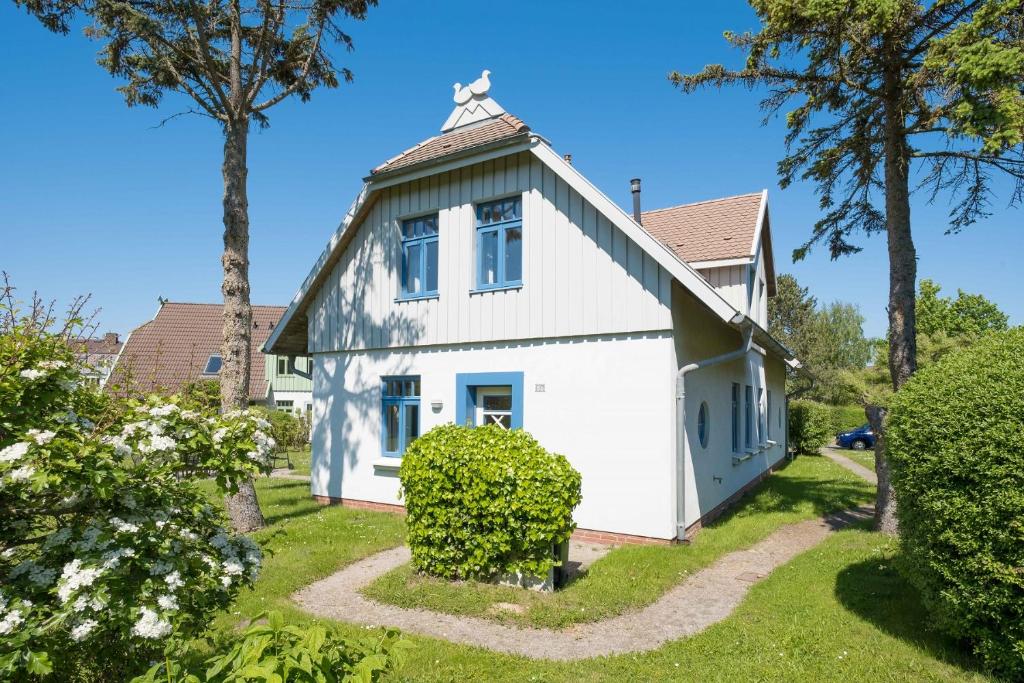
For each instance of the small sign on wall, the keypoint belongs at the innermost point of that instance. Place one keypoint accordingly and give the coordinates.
(539, 388)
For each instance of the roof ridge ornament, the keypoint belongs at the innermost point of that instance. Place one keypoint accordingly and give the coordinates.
(472, 103)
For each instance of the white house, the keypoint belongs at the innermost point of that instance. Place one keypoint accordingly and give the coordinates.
(479, 277)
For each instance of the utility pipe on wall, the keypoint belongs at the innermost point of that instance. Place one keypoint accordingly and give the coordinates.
(748, 341)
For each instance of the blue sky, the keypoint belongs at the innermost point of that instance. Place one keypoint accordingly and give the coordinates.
(97, 199)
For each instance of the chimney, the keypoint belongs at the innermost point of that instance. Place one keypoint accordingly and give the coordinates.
(110, 338)
(568, 158)
(634, 186)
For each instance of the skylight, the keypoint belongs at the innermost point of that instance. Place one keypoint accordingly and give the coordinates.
(213, 365)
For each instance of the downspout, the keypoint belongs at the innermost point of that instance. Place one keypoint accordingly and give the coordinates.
(748, 340)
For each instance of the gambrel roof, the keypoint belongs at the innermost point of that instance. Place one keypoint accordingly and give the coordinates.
(502, 135)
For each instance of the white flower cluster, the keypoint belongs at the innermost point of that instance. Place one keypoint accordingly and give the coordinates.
(82, 630)
(240, 555)
(12, 618)
(41, 437)
(76, 577)
(14, 452)
(150, 625)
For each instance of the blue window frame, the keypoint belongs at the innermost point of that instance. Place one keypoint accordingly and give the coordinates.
(735, 418)
(466, 385)
(499, 243)
(768, 415)
(749, 427)
(400, 414)
(419, 257)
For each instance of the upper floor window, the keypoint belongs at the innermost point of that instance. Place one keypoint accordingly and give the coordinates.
(282, 365)
(419, 256)
(499, 243)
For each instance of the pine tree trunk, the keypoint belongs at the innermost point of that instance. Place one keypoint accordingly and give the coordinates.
(243, 508)
(902, 281)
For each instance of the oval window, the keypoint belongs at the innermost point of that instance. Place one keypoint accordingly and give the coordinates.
(702, 424)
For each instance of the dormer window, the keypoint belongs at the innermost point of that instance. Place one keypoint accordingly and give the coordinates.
(419, 257)
(499, 243)
(213, 365)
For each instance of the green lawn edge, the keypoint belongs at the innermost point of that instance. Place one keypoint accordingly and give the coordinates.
(633, 576)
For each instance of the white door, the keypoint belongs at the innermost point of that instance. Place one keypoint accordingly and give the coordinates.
(494, 406)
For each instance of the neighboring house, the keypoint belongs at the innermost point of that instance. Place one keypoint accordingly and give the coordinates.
(182, 344)
(479, 277)
(98, 356)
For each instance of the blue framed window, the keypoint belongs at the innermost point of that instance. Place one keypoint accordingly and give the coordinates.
(748, 427)
(499, 243)
(768, 415)
(735, 418)
(400, 414)
(419, 256)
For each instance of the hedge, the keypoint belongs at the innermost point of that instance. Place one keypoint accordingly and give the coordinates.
(955, 438)
(810, 426)
(847, 417)
(485, 501)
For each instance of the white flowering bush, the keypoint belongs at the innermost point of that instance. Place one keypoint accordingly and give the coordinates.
(107, 551)
(231, 447)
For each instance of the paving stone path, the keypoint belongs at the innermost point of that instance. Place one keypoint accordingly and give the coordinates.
(705, 598)
(835, 456)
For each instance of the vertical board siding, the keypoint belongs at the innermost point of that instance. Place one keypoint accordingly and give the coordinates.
(731, 283)
(581, 275)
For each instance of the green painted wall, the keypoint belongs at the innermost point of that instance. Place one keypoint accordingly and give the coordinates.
(285, 382)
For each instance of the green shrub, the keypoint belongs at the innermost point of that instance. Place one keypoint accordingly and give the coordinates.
(274, 651)
(956, 447)
(810, 426)
(485, 501)
(845, 418)
(289, 431)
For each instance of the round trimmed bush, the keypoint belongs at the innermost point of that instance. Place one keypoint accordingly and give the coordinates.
(484, 501)
(955, 440)
(810, 425)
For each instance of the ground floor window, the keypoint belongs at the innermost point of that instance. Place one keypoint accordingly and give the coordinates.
(285, 405)
(400, 414)
(748, 440)
(735, 418)
(489, 398)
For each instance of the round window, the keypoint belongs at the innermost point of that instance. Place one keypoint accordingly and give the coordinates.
(702, 424)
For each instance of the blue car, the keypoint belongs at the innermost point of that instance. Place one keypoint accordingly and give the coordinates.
(858, 439)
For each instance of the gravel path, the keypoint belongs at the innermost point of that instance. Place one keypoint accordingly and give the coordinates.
(705, 598)
(863, 472)
(288, 474)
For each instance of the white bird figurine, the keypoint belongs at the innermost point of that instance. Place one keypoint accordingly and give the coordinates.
(462, 95)
(481, 85)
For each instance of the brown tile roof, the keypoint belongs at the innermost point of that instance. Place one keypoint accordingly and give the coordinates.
(172, 349)
(461, 139)
(707, 231)
(107, 345)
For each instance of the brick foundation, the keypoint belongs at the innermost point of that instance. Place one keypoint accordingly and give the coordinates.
(610, 537)
(717, 511)
(360, 504)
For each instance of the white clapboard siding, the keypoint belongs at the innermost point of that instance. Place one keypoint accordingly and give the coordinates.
(581, 275)
(731, 283)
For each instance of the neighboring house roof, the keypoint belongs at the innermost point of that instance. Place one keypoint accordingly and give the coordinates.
(505, 128)
(173, 348)
(107, 345)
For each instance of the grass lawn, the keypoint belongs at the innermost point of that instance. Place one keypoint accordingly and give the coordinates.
(632, 576)
(300, 460)
(863, 458)
(836, 613)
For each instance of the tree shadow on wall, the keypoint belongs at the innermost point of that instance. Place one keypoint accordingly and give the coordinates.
(351, 399)
(874, 590)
